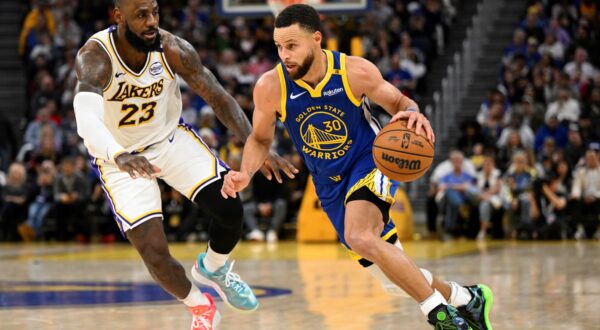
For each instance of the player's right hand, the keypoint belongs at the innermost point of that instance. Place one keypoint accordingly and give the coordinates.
(233, 182)
(139, 165)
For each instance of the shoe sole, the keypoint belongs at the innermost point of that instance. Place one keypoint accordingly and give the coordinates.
(203, 280)
(488, 297)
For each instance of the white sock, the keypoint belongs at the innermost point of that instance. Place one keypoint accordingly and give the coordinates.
(213, 260)
(432, 302)
(459, 296)
(195, 298)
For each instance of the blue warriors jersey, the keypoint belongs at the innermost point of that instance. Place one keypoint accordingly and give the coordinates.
(334, 132)
(330, 127)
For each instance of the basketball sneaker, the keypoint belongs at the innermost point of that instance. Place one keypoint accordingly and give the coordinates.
(234, 292)
(446, 317)
(205, 317)
(477, 311)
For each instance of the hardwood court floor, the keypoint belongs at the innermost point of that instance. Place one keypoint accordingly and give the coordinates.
(536, 285)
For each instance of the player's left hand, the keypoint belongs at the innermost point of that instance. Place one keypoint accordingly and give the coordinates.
(418, 119)
(274, 164)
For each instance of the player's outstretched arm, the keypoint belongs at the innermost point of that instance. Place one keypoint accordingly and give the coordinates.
(94, 70)
(259, 142)
(184, 60)
(365, 79)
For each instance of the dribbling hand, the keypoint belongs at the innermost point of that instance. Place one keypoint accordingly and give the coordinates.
(139, 165)
(233, 182)
(419, 120)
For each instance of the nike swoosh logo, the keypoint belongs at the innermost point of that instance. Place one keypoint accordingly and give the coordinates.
(293, 97)
(172, 138)
(118, 74)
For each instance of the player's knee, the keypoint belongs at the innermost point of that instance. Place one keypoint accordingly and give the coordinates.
(154, 255)
(227, 212)
(362, 243)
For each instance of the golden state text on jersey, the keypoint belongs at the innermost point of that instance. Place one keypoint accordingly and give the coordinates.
(330, 127)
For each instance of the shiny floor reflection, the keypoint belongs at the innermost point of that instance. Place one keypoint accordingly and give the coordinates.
(316, 286)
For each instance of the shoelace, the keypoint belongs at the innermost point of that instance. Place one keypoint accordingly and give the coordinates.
(233, 279)
(202, 320)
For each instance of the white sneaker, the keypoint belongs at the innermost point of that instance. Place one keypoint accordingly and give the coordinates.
(256, 235)
(580, 233)
(481, 236)
(272, 236)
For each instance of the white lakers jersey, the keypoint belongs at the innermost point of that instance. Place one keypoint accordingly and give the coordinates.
(140, 108)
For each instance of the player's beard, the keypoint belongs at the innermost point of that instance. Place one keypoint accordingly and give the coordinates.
(141, 44)
(304, 67)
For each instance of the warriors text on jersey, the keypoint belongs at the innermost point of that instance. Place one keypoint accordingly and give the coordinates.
(330, 127)
(140, 108)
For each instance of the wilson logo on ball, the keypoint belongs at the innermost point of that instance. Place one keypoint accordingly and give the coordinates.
(402, 163)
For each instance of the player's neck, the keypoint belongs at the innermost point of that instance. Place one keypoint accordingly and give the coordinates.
(317, 70)
(132, 57)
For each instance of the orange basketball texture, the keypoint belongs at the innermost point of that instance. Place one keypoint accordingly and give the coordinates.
(401, 154)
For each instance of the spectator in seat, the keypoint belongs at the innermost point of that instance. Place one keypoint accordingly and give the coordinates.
(575, 148)
(551, 129)
(548, 211)
(13, 209)
(580, 67)
(270, 202)
(518, 199)
(516, 125)
(456, 191)
(41, 205)
(565, 108)
(489, 185)
(518, 46)
(70, 193)
(553, 47)
(585, 193)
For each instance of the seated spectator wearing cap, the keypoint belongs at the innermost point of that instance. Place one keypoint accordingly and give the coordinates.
(585, 192)
(516, 125)
(551, 129)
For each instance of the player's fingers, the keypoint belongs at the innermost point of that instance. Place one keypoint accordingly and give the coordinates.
(411, 121)
(419, 126)
(147, 167)
(275, 170)
(430, 133)
(265, 171)
(288, 168)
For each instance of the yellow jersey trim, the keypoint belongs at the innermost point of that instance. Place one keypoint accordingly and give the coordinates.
(164, 62)
(122, 63)
(101, 43)
(344, 74)
(191, 194)
(317, 91)
(114, 203)
(283, 92)
(356, 257)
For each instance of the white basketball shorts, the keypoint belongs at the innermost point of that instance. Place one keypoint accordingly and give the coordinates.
(187, 164)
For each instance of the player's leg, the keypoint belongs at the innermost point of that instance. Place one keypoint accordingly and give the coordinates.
(363, 225)
(192, 169)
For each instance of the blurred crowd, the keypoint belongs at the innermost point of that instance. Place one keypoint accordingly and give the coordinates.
(47, 187)
(527, 166)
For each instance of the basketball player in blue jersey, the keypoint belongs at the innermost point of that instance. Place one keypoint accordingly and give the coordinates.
(321, 98)
(128, 110)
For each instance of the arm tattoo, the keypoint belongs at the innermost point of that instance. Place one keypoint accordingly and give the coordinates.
(203, 82)
(93, 69)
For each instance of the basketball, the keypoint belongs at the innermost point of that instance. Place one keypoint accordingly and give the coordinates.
(401, 154)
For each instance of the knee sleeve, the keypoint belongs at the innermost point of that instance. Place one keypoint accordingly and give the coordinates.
(226, 217)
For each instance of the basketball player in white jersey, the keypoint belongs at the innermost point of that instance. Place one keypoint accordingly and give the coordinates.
(128, 109)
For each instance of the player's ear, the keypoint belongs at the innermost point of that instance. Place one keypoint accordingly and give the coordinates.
(318, 37)
(118, 15)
